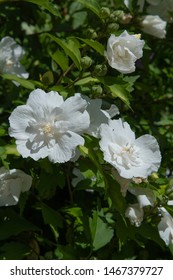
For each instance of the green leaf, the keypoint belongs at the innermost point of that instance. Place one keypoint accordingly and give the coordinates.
(117, 200)
(46, 4)
(12, 224)
(101, 232)
(92, 5)
(47, 78)
(88, 80)
(118, 88)
(14, 251)
(50, 216)
(94, 44)
(119, 91)
(71, 48)
(24, 83)
(61, 59)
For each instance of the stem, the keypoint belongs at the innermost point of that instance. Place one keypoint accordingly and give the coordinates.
(65, 73)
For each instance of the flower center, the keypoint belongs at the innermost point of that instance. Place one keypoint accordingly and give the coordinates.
(47, 128)
(127, 156)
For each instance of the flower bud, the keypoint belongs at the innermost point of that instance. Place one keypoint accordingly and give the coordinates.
(100, 70)
(86, 62)
(126, 19)
(97, 90)
(116, 16)
(104, 12)
(112, 27)
(91, 33)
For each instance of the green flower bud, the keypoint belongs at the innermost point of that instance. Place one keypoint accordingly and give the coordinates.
(105, 12)
(100, 70)
(86, 62)
(116, 16)
(119, 14)
(91, 33)
(97, 89)
(112, 27)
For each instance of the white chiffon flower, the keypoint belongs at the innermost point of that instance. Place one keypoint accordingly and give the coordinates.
(131, 157)
(165, 226)
(12, 183)
(10, 55)
(154, 26)
(123, 51)
(135, 214)
(97, 115)
(48, 126)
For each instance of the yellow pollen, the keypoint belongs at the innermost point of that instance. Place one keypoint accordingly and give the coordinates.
(137, 36)
(47, 128)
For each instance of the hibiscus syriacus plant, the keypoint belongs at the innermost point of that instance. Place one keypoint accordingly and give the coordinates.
(86, 145)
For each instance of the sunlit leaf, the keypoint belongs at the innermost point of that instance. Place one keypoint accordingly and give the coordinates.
(92, 5)
(46, 4)
(101, 232)
(71, 48)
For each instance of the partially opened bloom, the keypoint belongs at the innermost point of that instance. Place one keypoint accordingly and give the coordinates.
(12, 183)
(10, 55)
(48, 126)
(131, 157)
(154, 26)
(165, 226)
(123, 51)
(97, 115)
(135, 214)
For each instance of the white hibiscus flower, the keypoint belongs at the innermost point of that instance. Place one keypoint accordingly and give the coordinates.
(10, 55)
(154, 26)
(165, 226)
(48, 126)
(123, 51)
(131, 157)
(12, 183)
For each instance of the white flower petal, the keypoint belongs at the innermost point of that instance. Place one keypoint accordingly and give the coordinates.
(65, 148)
(12, 183)
(123, 51)
(135, 214)
(165, 226)
(46, 126)
(131, 157)
(144, 196)
(154, 26)
(10, 55)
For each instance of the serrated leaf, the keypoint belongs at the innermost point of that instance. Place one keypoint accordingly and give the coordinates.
(71, 48)
(61, 59)
(24, 83)
(46, 4)
(92, 5)
(94, 44)
(101, 232)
